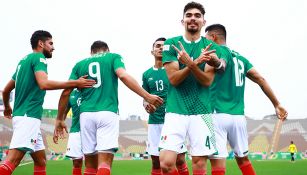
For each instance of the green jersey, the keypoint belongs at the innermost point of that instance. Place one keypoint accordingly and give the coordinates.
(218, 76)
(74, 104)
(104, 94)
(155, 82)
(230, 91)
(29, 98)
(189, 97)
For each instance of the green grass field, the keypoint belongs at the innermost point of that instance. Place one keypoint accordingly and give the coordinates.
(142, 167)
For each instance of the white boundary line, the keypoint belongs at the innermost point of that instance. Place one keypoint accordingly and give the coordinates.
(23, 164)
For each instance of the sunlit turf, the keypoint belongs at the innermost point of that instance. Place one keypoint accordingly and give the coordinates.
(142, 167)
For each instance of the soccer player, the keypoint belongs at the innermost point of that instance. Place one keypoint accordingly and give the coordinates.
(292, 149)
(186, 60)
(155, 81)
(229, 120)
(74, 150)
(31, 82)
(99, 120)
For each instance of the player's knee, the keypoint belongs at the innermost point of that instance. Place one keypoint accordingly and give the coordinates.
(40, 162)
(166, 165)
(199, 162)
(155, 164)
(180, 160)
(77, 163)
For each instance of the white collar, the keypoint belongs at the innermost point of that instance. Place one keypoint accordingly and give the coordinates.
(187, 41)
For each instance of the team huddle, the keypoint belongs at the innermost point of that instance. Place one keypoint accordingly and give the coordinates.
(194, 92)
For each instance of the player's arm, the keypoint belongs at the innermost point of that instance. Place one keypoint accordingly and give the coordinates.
(205, 77)
(149, 108)
(60, 126)
(45, 84)
(253, 75)
(6, 98)
(175, 75)
(133, 85)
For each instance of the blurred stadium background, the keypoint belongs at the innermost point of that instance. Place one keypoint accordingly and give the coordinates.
(133, 136)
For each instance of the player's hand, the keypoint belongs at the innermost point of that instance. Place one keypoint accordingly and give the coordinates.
(60, 129)
(85, 83)
(183, 57)
(149, 108)
(208, 56)
(7, 112)
(55, 138)
(155, 100)
(281, 112)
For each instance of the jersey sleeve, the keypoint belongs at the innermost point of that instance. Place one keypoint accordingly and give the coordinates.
(118, 62)
(145, 84)
(39, 63)
(74, 72)
(227, 56)
(14, 75)
(247, 64)
(221, 53)
(169, 53)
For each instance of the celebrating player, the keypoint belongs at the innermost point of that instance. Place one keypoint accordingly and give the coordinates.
(31, 82)
(229, 120)
(99, 120)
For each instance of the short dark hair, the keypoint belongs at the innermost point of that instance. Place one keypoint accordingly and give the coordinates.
(192, 5)
(99, 45)
(39, 35)
(219, 28)
(159, 39)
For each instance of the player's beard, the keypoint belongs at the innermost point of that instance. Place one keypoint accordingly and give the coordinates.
(192, 30)
(47, 53)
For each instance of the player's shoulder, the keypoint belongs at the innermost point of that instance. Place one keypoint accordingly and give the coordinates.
(35, 55)
(173, 40)
(148, 71)
(113, 55)
(237, 55)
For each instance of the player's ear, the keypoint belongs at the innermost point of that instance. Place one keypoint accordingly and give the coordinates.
(182, 21)
(204, 23)
(40, 43)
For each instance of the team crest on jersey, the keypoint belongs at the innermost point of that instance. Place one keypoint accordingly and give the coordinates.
(166, 48)
(33, 141)
(163, 138)
(43, 60)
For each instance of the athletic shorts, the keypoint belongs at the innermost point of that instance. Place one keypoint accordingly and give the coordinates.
(74, 150)
(231, 128)
(198, 128)
(99, 131)
(154, 136)
(27, 134)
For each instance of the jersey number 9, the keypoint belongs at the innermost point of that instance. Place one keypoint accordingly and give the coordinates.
(94, 72)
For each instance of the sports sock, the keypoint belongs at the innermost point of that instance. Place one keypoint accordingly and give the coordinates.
(174, 172)
(156, 172)
(247, 169)
(218, 171)
(77, 171)
(90, 171)
(7, 168)
(199, 172)
(104, 169)
(183, 169)
(39, 170)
